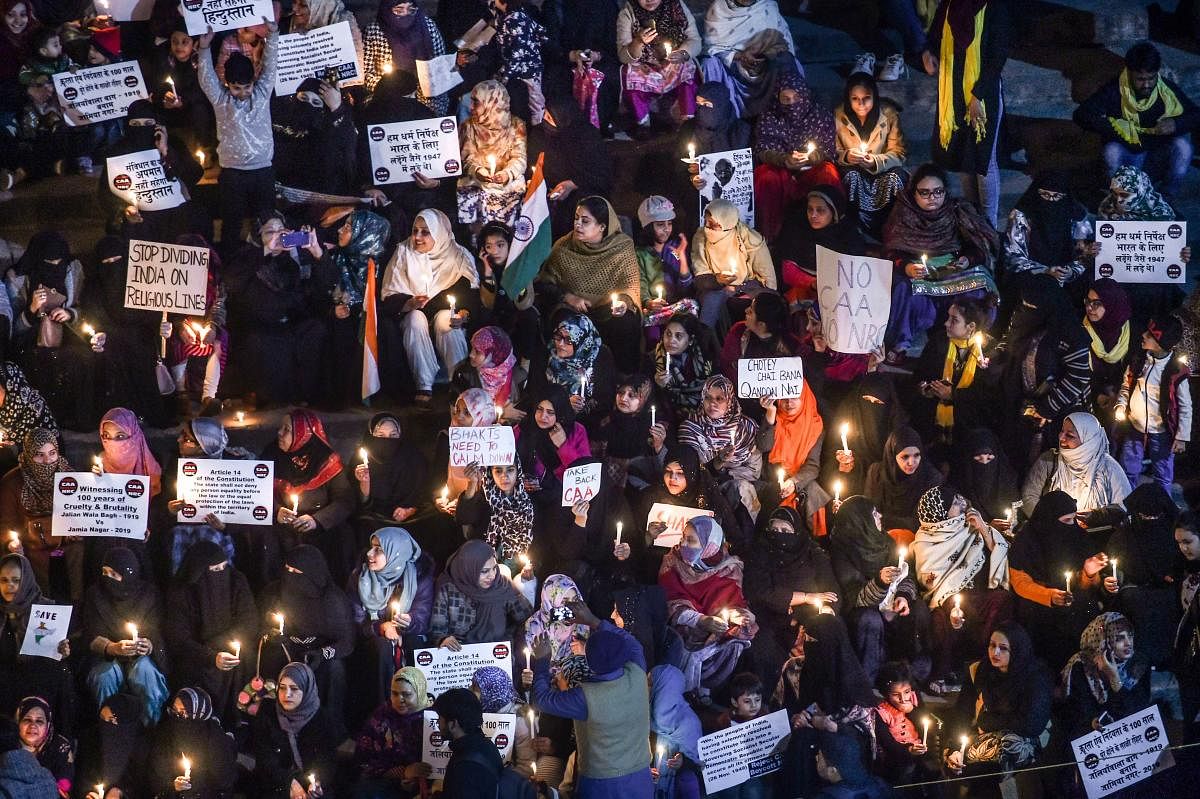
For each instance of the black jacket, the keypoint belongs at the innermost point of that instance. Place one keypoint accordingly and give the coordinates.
(473, 769)
(1094, 112)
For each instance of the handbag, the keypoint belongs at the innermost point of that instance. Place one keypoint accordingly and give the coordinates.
(255, 692)
(50, 332)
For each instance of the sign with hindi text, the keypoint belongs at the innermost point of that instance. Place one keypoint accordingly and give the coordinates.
(855, 297)
(94, 94)
(500, 729)
(224, 15)
(1122, 753)
(326, 53)
(90, 504)
(744, 751)
(493, 445)
(728, 176)
(1141, 252)
(428, 146)
(238, 492)
(580, 483)
(167, 277)
(47, 628)
(139, 179)
(781, 378)
(675, 517)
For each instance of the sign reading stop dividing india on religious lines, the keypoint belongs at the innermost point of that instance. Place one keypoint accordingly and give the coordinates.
(172, 278)
(854, 293)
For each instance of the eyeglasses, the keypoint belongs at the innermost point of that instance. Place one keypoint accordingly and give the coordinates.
(926, 194)
(1050, 196)
(1092, 305)
(562, 338)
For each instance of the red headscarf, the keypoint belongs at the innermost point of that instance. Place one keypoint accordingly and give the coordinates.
(310, 462)
(131, 455)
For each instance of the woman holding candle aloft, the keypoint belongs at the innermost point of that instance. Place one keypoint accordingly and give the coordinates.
(1106, 676)
(388, 747)
(473, 603)
(192, 729)
(731, 262)
(26, 504)
(549, 439)
(54, 751)
(295, 736)
(581, 363)
(791, 436)
(858, 431)
(494, 160)
(870, 150)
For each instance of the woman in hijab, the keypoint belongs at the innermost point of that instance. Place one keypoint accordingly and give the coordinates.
(210, 606)
(658, 44)
(362, 237)
(581, 365)
(429, 326)
(896, 483)
(791, 437)
(821, 220)
(393, 599)
(676, 732)
(868, 415)
(388, 751)
(1049, 231)
(125, 448)
(1106, 675)
(749, 44)
(554, 619)
(716, 128)
(731, 263)
(494, 687)
(497, 508)
(473, 408)
(870, 150)
(192, 728)
(1106, 319)
(400, 36)
(494, 159)
(26, 504)
(594, 270)
(1082, 467)
(29, 674)
(54, 752)
(294, 737)
(393, 477)
(724, 438)
(794, 142)
(308, 15)
(985, 478)
(122, 626)
(703, 584)
(692, 352)
(864, 561)
(22, 407)
(549, 439)
(492, 366)
(315, 498)
(473, 602)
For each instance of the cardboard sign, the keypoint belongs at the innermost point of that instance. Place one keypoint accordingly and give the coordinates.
(95, 94)
(1141, 252)
(428, 146)
(493, 445)
(476, 38)
(675, 517)
(125, 10)
(239, 492)
(316, 53)
(744, 751)
(728, 176)
(138, 179)
(1123, 753)
(580, 483)
(48, 625)
(167, 277)
(500, 728)
(224, 15)
(781, 378)
(444, 669)
(855, 296)
(438, 75)
(101, 505)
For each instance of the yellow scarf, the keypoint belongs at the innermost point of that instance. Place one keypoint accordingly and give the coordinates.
(1129, 126)
(947, 124)
(1119, 349)
(944, 416)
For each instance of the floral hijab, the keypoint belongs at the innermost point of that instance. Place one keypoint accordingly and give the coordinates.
(368, 236)
(496, 373)
(490, 127)
(131, 455)
(37, 479)
(557, 591)
(1143, 203)
(496, 690)
(567, 372)
(510, 528)
(1100, 631)
(785, 128)
(483, 414)
(24, 409)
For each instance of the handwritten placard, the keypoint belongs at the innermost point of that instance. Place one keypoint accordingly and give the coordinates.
(781, 378)
(90, 504)
(238, 492)
(580, 483)
(319, 53)
(444, 669)
(438, 75)
(47, 628)
(744, 751)
(1141, 252)
(428, 146)
(728, 175)
(675, 517)
(96, 94)
(493, 445)
(855, 296)
(500, 729)
(1122, 753)
(224, 15)
(139, 179)
(167, 277)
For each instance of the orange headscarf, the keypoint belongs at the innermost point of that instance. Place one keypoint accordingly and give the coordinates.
(796, 433)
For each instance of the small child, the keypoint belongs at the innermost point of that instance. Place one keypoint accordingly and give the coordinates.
(44, 140)
(46, 56)
(1156, 402)
(520, 38)
(900, 743)
(746, 704)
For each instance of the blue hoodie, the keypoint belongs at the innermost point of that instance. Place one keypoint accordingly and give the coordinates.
(22, 777)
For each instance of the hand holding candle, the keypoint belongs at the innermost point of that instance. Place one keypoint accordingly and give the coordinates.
(362, 453)
(279, 618)
(962, 751)
(491, 162)
(295, 504)
(187, 767)
(691, 151)
(619, 526)
(236, 648)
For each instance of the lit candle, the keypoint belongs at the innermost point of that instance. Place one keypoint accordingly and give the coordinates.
(924, 261)
(958, 602)
(811, 147)
(533, 763)
(619, 526)
(533, 729)
(528, 656)
(820, 605)
(862, 148)
(1068, 576)
(668, 364)
(977, 343)
(903, 555)
(395, 611)
(667, 48)
(691, 151)
(491, 159)
(780, 475)
(88, 329)
(499, 414)
(387, 68)
(662, 753)
(241, 417)
(362, 453)
(279, 618)
(526, 563)
(312, 782)
(200, 157)
(171, 83)
(15, 537)
(187, 768)
(133, 632)
(653, 420)
(295, 504)
(100, 790)
(2, 431)
(1114, 562)
(956, 615)
(452, 302)
(837, 490)
(236, 646)
(614, 302)
(1008, 515)
(583, 385)
(962, 751)
(845, 432)
(99, 464)
(445, 493)
(925, 735)
(659, 291)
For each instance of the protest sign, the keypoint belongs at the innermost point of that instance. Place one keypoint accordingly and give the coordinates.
(438, 75)
(101, 504)
(138, 179)
(327, 53)
(476, 38)
(674, 517)
(47, 628)
(444, 669)
(167, 277)
(744, 751)
(500, 729)
(728, 175)
(428, 146)
(855, 295)
(224, 15)
(125, 10)
(1141, 252)
(239, 492)
(95, 94)
(781, 378)
(493, 445)
(580, 483)
(1122, 753)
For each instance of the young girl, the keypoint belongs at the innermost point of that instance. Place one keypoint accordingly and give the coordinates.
(900, 744)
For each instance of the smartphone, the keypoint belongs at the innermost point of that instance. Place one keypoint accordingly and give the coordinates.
(330, 76)
(562, 614)
(293, 238)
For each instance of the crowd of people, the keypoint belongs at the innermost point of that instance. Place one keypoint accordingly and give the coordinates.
(979, 532)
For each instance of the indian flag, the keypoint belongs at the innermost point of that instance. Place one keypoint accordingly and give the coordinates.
(531, 237)
(370, 366)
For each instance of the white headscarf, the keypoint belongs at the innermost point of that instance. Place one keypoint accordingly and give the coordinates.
(949, 549)
(1083, 472)
(728, 26)
(428, 274)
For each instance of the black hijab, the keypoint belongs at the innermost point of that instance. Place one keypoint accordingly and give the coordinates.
(1051, 224)
(798, 241)
(398, 469)
(35, 266)
(1046, 547)
(113, 604)
(14, 615)
(210, 592)
(718, 128)
(1146, 548)
(534, 444)
(312, 604)
(991, 487)
(694, 495)
(407, 36)
(870, 422)
(856, 539)
(1007, 690)
(1044, 305)
(392, 100)
(788, 551)
(900, 492)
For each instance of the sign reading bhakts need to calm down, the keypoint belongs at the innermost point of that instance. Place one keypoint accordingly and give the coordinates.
(500, 729)
(580, 483)
(101, 504)
(781, 378)
(167, 277)
(728, 176)
(494, 445)
(224, 15)
(744, 751)
(238, 492)
(47, 628)
(1141, 252)
(855, 297)
(139, 179)
(428, 146)
(444, 669)
(313, 54)
(1122, 753)
(99, 93)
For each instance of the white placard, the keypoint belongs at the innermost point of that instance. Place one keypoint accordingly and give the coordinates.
(428, 146)
(224, 15)
(95, 94)
(744, 751)
(167, 277)
(1124, 752)
(444, 669)
(500, 729)
(48, 626)
(438, 75)
(312, 54)
(855, 295)
(125, 10)
(101, 505)
(1141, 252)
(580, 483)
(494, 445)
(239, 492)
(138, 179)
(675, 517)
(728, 176)
(781, 378)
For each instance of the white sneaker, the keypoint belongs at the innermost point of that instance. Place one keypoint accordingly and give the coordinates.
(893, 69)
(864, 62)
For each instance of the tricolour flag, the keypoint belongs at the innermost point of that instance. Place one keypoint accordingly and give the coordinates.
(531, 237)
(370, 366)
